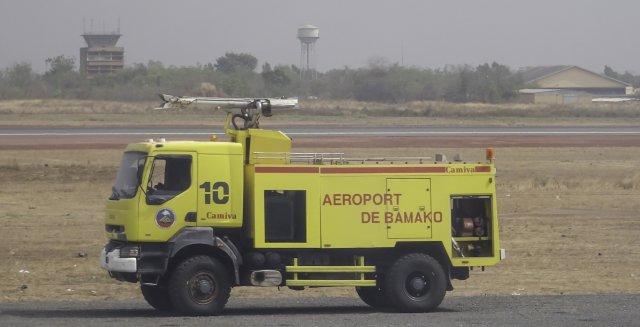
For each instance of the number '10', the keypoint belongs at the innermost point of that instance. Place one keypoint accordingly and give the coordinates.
(219, 192)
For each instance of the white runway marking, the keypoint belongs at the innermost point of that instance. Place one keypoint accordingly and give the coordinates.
(101, 134)
(346, 133)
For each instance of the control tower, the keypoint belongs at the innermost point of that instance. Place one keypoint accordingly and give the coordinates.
(101, 55)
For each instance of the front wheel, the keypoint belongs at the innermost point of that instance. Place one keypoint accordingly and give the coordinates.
(157, 297)
(373, 296)
(199, 286)
(416, 283)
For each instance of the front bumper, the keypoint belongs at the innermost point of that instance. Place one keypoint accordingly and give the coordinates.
(111, 261)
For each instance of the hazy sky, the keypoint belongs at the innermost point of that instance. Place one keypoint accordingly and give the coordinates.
(588, 33)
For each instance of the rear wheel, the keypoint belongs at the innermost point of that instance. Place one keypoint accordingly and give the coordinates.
(373, 296)
(199, 286)
(157, 297)
(416, 283)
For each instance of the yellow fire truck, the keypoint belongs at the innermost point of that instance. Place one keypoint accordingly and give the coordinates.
(190, 220)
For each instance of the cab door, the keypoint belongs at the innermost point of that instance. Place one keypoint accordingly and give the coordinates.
(169, 202)
(220, 190)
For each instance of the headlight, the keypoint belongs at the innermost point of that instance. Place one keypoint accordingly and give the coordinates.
(131, 251)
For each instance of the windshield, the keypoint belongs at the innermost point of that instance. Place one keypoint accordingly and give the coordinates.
(127, 181)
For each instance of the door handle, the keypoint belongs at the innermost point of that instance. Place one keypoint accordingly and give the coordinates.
(191, 217)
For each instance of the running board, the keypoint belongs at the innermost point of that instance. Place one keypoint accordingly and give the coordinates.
(359, 270)
(323, 283)
(331, 269)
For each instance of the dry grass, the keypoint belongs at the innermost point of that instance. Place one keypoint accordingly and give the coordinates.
(82, 107)
(92, 112)
(461, 110)
(569, 221)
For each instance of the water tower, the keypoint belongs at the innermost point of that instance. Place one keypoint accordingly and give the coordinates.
(308, 35)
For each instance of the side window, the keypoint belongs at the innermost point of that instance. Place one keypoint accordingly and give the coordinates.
(170, 176)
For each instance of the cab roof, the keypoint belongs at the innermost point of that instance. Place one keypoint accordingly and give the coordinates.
(222, 148)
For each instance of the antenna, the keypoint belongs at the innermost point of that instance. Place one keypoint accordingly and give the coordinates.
(402, 53)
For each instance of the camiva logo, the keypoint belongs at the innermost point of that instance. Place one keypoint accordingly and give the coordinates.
(165, 218)
(461, 169)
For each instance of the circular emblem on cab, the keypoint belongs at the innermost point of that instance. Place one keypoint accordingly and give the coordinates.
(165, 218)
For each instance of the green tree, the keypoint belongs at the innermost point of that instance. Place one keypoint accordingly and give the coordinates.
(634, 80)
(17, 81)
(234, 62)
(277, 80)
(62, 77)
(20, 75)
(492, 83)
(60, 65)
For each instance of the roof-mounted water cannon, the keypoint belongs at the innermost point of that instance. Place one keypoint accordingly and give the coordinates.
(247, 109)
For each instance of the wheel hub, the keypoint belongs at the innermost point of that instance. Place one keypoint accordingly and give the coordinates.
(202, 288)
(418, 284)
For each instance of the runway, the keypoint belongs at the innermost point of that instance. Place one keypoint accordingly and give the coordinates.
(330, 136)
(161, 131)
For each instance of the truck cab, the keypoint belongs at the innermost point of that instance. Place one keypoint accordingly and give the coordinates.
(159, 183)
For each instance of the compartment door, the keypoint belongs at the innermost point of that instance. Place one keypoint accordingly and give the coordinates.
(409, 216)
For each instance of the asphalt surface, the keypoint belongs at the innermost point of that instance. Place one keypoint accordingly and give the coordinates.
(31, 137)
(562, 310)
(323, 131)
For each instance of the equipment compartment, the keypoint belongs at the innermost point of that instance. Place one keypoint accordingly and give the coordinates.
(285, 216)
(471, 226)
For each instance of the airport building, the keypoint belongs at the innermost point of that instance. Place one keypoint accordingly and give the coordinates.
(101, 55)
(568, 84)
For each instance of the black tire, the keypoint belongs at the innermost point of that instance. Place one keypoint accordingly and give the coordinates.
(375, 297)
(415, 283)
(199, 286)
(157, 297)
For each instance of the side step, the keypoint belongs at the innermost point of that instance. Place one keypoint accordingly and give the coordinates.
(359, 269)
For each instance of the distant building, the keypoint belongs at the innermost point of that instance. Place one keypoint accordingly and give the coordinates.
(569, 84)
(554, 96)
(101, 55)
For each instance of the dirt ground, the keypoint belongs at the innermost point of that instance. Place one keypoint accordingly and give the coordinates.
(344, 144)
(568, 213)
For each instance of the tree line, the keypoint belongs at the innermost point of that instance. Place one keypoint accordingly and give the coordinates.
(236, 74)
(634, 80)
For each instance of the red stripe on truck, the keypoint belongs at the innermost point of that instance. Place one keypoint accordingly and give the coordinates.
(373, 170)
(483, 169)
(368, 170)
(288, 170)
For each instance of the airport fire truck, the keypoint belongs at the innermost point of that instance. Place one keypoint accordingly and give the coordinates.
(190, 220)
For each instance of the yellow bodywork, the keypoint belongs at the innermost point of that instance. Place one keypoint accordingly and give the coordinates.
(376, 206)
(344, 206)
